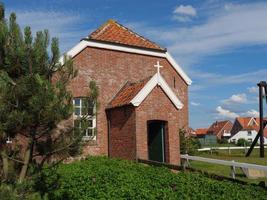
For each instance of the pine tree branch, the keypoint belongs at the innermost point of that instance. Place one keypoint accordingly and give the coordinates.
(13, 159)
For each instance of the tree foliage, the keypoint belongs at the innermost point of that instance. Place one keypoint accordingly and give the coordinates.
(188, 145)
(35, 104)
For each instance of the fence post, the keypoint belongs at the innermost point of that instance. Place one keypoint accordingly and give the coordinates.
(233, 170)
(185, 162)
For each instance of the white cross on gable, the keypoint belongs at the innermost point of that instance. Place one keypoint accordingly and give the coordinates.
(158, 66)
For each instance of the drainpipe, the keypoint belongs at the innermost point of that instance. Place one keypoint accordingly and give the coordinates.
(108, 118)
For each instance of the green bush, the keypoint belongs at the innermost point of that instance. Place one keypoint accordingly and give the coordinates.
(242, 142)
(18, 192)
(188, 145)
(103, 178)
(222, 141)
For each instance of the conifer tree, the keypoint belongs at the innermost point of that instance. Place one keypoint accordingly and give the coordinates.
(34, 101)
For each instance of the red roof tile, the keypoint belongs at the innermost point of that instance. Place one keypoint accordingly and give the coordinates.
(127, 93)
(114, 32)
(217, 126)
(201, 131)
(244, 122)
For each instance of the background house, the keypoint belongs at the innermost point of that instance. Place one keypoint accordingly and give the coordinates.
(246, 128)
(222, 129)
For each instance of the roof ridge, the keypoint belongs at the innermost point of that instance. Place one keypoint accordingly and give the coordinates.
(97, 33)
(136, 34)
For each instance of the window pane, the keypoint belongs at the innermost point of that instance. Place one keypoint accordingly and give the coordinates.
(90, 123)
(77, 101)
(77, 111)
(90, 132)
(91, 110)
(77, 123)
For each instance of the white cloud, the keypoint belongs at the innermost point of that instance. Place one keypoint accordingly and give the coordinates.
(215, 79)
(184, 13)
(185, 10)
(253, 89)
(226, 113)
(252, 113)
(236, 99)
(223, 31)
(194, 103)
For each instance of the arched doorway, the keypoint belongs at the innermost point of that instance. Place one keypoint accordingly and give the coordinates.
(156, 140)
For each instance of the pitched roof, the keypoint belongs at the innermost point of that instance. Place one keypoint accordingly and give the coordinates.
(201, 131)
(127, 93)
(245, 123)
(217, 126)
(135, 93)
(113, 32)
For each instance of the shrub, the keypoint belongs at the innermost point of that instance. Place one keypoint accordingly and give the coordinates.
(103, 178)
(188, 145)
(223, 141)
(242, 142)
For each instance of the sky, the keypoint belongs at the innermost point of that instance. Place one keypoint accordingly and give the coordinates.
(221, 45)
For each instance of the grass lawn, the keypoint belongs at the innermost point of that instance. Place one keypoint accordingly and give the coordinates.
(103, 178)
(236, 155)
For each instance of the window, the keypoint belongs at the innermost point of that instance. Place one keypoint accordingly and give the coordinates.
(174, 82)
(249, 133)
(250, 140)
(85, 117)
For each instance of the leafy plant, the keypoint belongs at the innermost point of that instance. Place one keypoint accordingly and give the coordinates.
(188, 145)
(242, 142)
(103, 178)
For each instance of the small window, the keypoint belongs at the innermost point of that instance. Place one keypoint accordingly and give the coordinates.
(87, 126)
(249, 133)
(85, 117)
(250, 140)
(174, 82)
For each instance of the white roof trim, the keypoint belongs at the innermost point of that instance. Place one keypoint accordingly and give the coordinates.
(85, 43)
(252, 118)
(157, 79)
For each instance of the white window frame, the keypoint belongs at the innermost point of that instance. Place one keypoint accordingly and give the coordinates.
(89, 117)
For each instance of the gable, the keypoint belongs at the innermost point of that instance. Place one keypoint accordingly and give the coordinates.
(97, 43)
(135, 93)
(217, 127)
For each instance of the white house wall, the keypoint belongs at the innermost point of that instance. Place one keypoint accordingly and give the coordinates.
(244, 134)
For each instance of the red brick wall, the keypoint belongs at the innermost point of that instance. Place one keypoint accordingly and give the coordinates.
(111, 69)
(122, 132)
(157, 106)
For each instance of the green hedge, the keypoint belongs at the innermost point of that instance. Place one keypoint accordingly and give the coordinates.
(103, 178)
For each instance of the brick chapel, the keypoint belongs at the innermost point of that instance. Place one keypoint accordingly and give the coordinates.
(143, 95)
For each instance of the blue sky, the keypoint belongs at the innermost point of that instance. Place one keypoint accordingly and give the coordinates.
(222, 45)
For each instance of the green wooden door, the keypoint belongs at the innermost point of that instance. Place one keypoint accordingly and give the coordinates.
(156, 141)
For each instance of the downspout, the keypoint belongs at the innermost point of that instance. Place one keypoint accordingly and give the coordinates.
(108, 118)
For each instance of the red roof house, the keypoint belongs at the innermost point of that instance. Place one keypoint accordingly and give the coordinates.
(143, 95)
(221, 129)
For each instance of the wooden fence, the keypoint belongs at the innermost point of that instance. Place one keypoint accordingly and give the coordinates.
(245, 166)
(214, 149)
